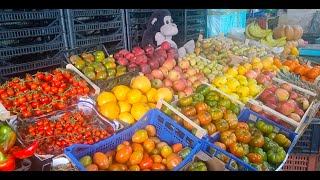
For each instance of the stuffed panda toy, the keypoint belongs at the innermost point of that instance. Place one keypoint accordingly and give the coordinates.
(160, 28)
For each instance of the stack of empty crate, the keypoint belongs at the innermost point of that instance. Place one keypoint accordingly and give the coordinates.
(30, 35)
(87, 27)
(195, 23)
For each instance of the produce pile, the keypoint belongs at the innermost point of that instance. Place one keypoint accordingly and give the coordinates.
(55, 134)
(145, 152)
(129, 104)
(305, 72)
(207, 109)
(285, 100)
(255, 144)
(42, 93)
(96, 66)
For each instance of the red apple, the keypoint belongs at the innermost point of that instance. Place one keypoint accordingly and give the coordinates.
(162, 53)
(149, 76)
(154, 64)
(286, 86)
(124, 52)
(270, 105)
(303, 103)
(264, 94)
(145, 68)
(271, 98)
(174, 75)
(299, 112)
(165, 45)
(184, 64)
(295, 117)
(168, 64)
(141, 59)
(251, 74)
(177, 68)
(149, 49)
(258, 71)
(179, 85)
(157, 74)
(188, 90)
(167, 83)
(286, 108)
(272, 88)
(293, 95)
(263, 79)
(255, 108)
(137, 51)
(129, 55)
(282, 94)
(122, 61)
(271, 74)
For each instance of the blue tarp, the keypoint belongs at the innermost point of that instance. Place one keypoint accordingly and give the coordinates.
(224, 20)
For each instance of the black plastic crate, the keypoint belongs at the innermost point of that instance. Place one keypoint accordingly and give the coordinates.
(95, 26)
(310, 140)
(31, 31)
(20, 70)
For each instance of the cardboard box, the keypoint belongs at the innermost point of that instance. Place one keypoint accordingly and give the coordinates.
(213, 164)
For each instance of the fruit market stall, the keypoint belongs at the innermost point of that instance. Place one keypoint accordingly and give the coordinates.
(229, 104)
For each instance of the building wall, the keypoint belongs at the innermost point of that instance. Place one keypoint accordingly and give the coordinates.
(302, 17)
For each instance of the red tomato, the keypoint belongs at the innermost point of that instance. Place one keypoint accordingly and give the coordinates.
(48, 77)
(10, 92)
(4, 95)
(39, 75)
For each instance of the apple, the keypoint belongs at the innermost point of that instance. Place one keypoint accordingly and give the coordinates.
(168, 64)
(154, 64)
(181, 94)
(129, 55)
(157, 74)
(188, 90)
(264, 94)
(149, 49)
(179, 85)
(161, 60)
(174, 75)
(192, 79)
(164, 71)
(271, 74)
(270, 105)
(165, 45)
(162, 53)
(295, 117)
(255, 108)
(272, 88)
(137, 51)
(177, 68)
(282, 94)
(286, 108)
(149, 76)
(184, 64)
(196, 83)
(123, 52)
(145, 68)
(286, 86)
(303, 103)
(192, 62)
(199, 75)
(271, 98)
(122, 61)
(141, 59)
(117, 55)
(167, 83)
(251, 74)
(258, 71)
(263, 79)
(293, 95)
(156, 83)
(299, 112)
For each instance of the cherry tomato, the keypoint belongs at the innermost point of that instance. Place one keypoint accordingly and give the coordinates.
(29, 97)
(15, 102)
(4, 95)
(35, 96)
(47, 88)
(26, 114)
(38, 112)
(29, 77)
(61, 105)
(39, 75)
(54, 90)
(22, 100)
(33, 86)
(10, 92)
(48, 77)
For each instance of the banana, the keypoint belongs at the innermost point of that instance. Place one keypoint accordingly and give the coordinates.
(256, 31)
(248, 33)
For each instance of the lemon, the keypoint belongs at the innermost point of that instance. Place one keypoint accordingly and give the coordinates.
(106, 97)
(247, 66)
(220, 81)
(243, 91)
(134, 96)
(242, 70)
(126, 117)
(255, 60)
(124, 106)
(120, 92)
(233, 72)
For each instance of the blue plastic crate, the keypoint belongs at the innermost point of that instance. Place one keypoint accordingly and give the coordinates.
(309, 142)
(309, 52)
(167, 130)
(248, 116)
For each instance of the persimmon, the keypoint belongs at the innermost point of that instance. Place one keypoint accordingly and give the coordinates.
(299, 70)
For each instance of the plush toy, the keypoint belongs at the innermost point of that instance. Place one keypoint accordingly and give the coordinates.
(161, 28)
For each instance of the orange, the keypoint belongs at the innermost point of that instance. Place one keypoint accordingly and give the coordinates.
(126, 117)
(165, 94)
(106, 97)
(152, 105)
(134, 96)
(152, 95)
(144, 99)
(142, 83)
(124, 106)
(110, 110)
(120, 92)
(138, 110)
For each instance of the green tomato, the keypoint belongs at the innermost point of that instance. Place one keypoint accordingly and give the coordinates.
(166, 110)
(121, 68)
(4, 132)
(211, 103)
(185, 101)
(91, 75)
(259, 151)
(87, 69)
(102, 75)
(224, 103)
(203, 89)
(269, 144)
(234, 108)
(99, 56)
(99, 68)
(184, 152)
(276, 155)
(272, 135)
(212, 95)
(198, 166)
(80, 64)
(197, 97)
(86, 161)
(264, 127)
(111, 72)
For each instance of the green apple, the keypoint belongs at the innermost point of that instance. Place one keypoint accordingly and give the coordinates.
(251, 81)
(192, 62)
(206, 70)
(201, 66)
